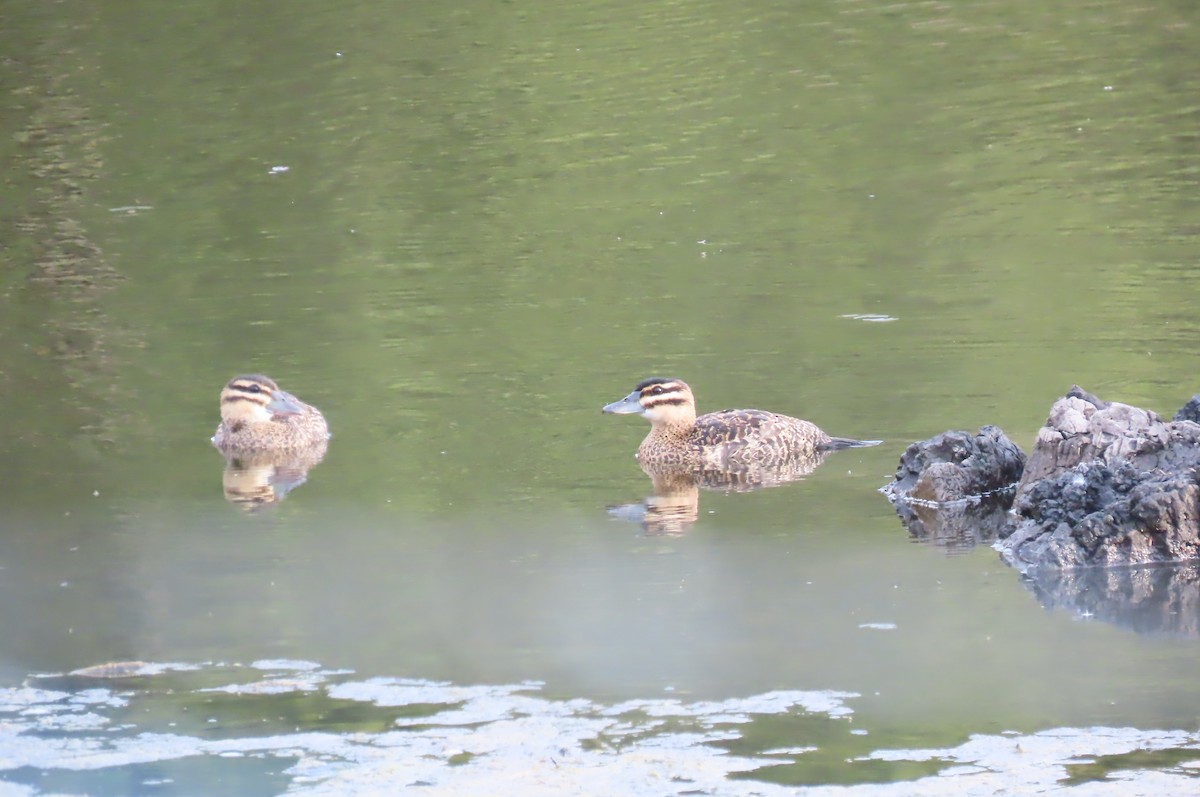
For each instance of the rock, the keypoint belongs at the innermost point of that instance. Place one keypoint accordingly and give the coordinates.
(1097, 515)
(954, 466)
(1106, 484)
(1190, 411)
(1082, 428)
(954, 490)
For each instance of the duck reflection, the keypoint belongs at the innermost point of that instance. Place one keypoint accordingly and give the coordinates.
(674, 504)
(257, 479)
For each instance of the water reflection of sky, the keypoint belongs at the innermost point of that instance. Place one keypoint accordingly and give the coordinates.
(77, 733)
(766, 592)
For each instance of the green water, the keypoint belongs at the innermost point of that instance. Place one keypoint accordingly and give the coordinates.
(461, 229)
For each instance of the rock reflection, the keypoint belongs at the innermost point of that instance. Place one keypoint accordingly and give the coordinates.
(674, 504)
(956, 526)
(1162, 599)
(258, 479)
(1150, 599)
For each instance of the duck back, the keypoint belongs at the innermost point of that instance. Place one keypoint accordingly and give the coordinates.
(737, 436)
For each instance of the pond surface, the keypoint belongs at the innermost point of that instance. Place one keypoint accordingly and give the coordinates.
(459, 231)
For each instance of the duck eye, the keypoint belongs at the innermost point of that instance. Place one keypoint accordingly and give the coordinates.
(656, 390)
(253, 389)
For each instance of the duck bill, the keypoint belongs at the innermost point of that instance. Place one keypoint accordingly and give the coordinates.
(630, 405)
(284, 403)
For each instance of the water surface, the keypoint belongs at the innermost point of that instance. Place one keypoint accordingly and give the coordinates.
(460, 231)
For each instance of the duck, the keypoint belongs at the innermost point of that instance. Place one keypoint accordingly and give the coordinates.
(256, 415)
(724, 440)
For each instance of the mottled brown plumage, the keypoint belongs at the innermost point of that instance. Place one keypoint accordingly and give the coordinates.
(256, 415)
(724, 440)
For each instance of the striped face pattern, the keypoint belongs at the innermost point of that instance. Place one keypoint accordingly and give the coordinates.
(657, 393)
(661, 401)
(247, 398)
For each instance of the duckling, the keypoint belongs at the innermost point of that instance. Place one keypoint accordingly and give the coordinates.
(257, 416)
(724, 439)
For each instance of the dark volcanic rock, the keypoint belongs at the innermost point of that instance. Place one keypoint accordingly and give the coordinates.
(1105, 518)
(1190, 411)
(1097, 515)
(954, 490)
(1106, 484)
(953, 466)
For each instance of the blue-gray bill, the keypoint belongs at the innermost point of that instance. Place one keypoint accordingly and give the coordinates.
(630, 405)
(284, 403)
